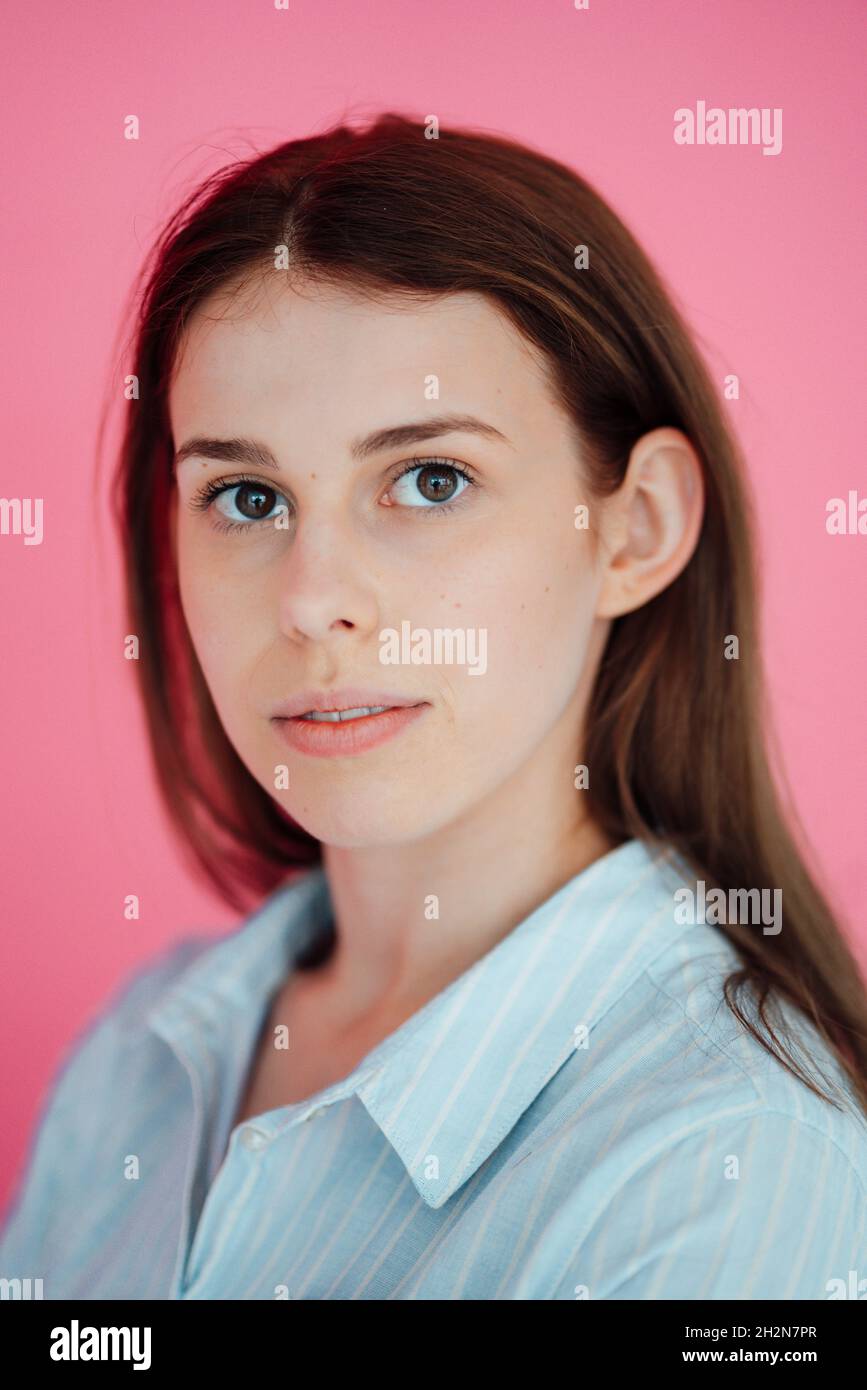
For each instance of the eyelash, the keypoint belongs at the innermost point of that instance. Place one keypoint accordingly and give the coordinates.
(202, 500)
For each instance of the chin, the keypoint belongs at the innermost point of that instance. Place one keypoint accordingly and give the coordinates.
(356, 821)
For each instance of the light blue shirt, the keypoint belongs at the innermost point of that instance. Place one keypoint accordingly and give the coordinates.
(578, 1115)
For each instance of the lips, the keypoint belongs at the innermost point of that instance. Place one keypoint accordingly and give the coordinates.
(335, 701)
(346, 738)
(333, 716)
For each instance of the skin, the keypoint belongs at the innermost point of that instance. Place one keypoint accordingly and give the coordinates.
(475, 802)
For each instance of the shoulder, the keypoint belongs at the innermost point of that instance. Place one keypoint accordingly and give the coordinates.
(691, 1162)
(773, 1061)
(123, 1012)
(95, 1054)
(117, 1026)
(759, 1204)
(91, 1070)
(714, 1039)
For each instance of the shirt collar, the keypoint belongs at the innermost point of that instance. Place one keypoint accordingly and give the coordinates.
(451, 1082)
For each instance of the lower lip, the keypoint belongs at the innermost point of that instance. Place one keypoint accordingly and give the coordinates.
(326, 738)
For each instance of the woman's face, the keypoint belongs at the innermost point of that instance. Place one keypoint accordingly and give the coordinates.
(494, 587)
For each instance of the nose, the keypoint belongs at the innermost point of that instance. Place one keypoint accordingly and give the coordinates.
(326, 582)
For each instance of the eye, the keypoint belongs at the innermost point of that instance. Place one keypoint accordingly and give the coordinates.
(245, 502)
(435, 487)
(241, 502)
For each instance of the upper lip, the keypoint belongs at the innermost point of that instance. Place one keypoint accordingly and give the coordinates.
(309, 700)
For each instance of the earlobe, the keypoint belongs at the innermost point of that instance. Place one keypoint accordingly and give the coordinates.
(651, 525)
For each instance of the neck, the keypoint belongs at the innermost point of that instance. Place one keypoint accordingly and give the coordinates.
(412, 918)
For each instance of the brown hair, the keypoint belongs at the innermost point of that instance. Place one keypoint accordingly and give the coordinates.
(675, 738)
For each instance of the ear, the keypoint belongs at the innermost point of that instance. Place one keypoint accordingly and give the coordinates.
(650, 527)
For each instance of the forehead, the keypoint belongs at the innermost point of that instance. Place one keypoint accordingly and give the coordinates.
(260, 353)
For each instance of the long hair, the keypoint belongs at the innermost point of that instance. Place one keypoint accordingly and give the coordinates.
(676, 734)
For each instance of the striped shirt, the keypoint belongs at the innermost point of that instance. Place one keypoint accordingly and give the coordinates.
(577, 1115)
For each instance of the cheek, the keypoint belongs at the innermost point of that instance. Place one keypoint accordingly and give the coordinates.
(540, 585)
(222, 622)
(529, 602)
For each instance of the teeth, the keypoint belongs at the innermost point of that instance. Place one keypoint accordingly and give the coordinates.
(337, 716)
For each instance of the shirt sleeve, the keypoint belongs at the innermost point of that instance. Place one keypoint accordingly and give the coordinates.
(65, 1131)
(764, 1206)
(52, 1154)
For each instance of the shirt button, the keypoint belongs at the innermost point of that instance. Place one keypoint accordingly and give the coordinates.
(253, 1138)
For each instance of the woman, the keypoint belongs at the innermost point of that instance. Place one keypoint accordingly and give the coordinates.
(440, 584)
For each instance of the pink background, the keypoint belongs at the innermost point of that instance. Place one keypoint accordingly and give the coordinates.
(763, 253)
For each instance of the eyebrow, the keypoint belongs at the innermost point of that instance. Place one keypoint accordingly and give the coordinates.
(251, 454)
